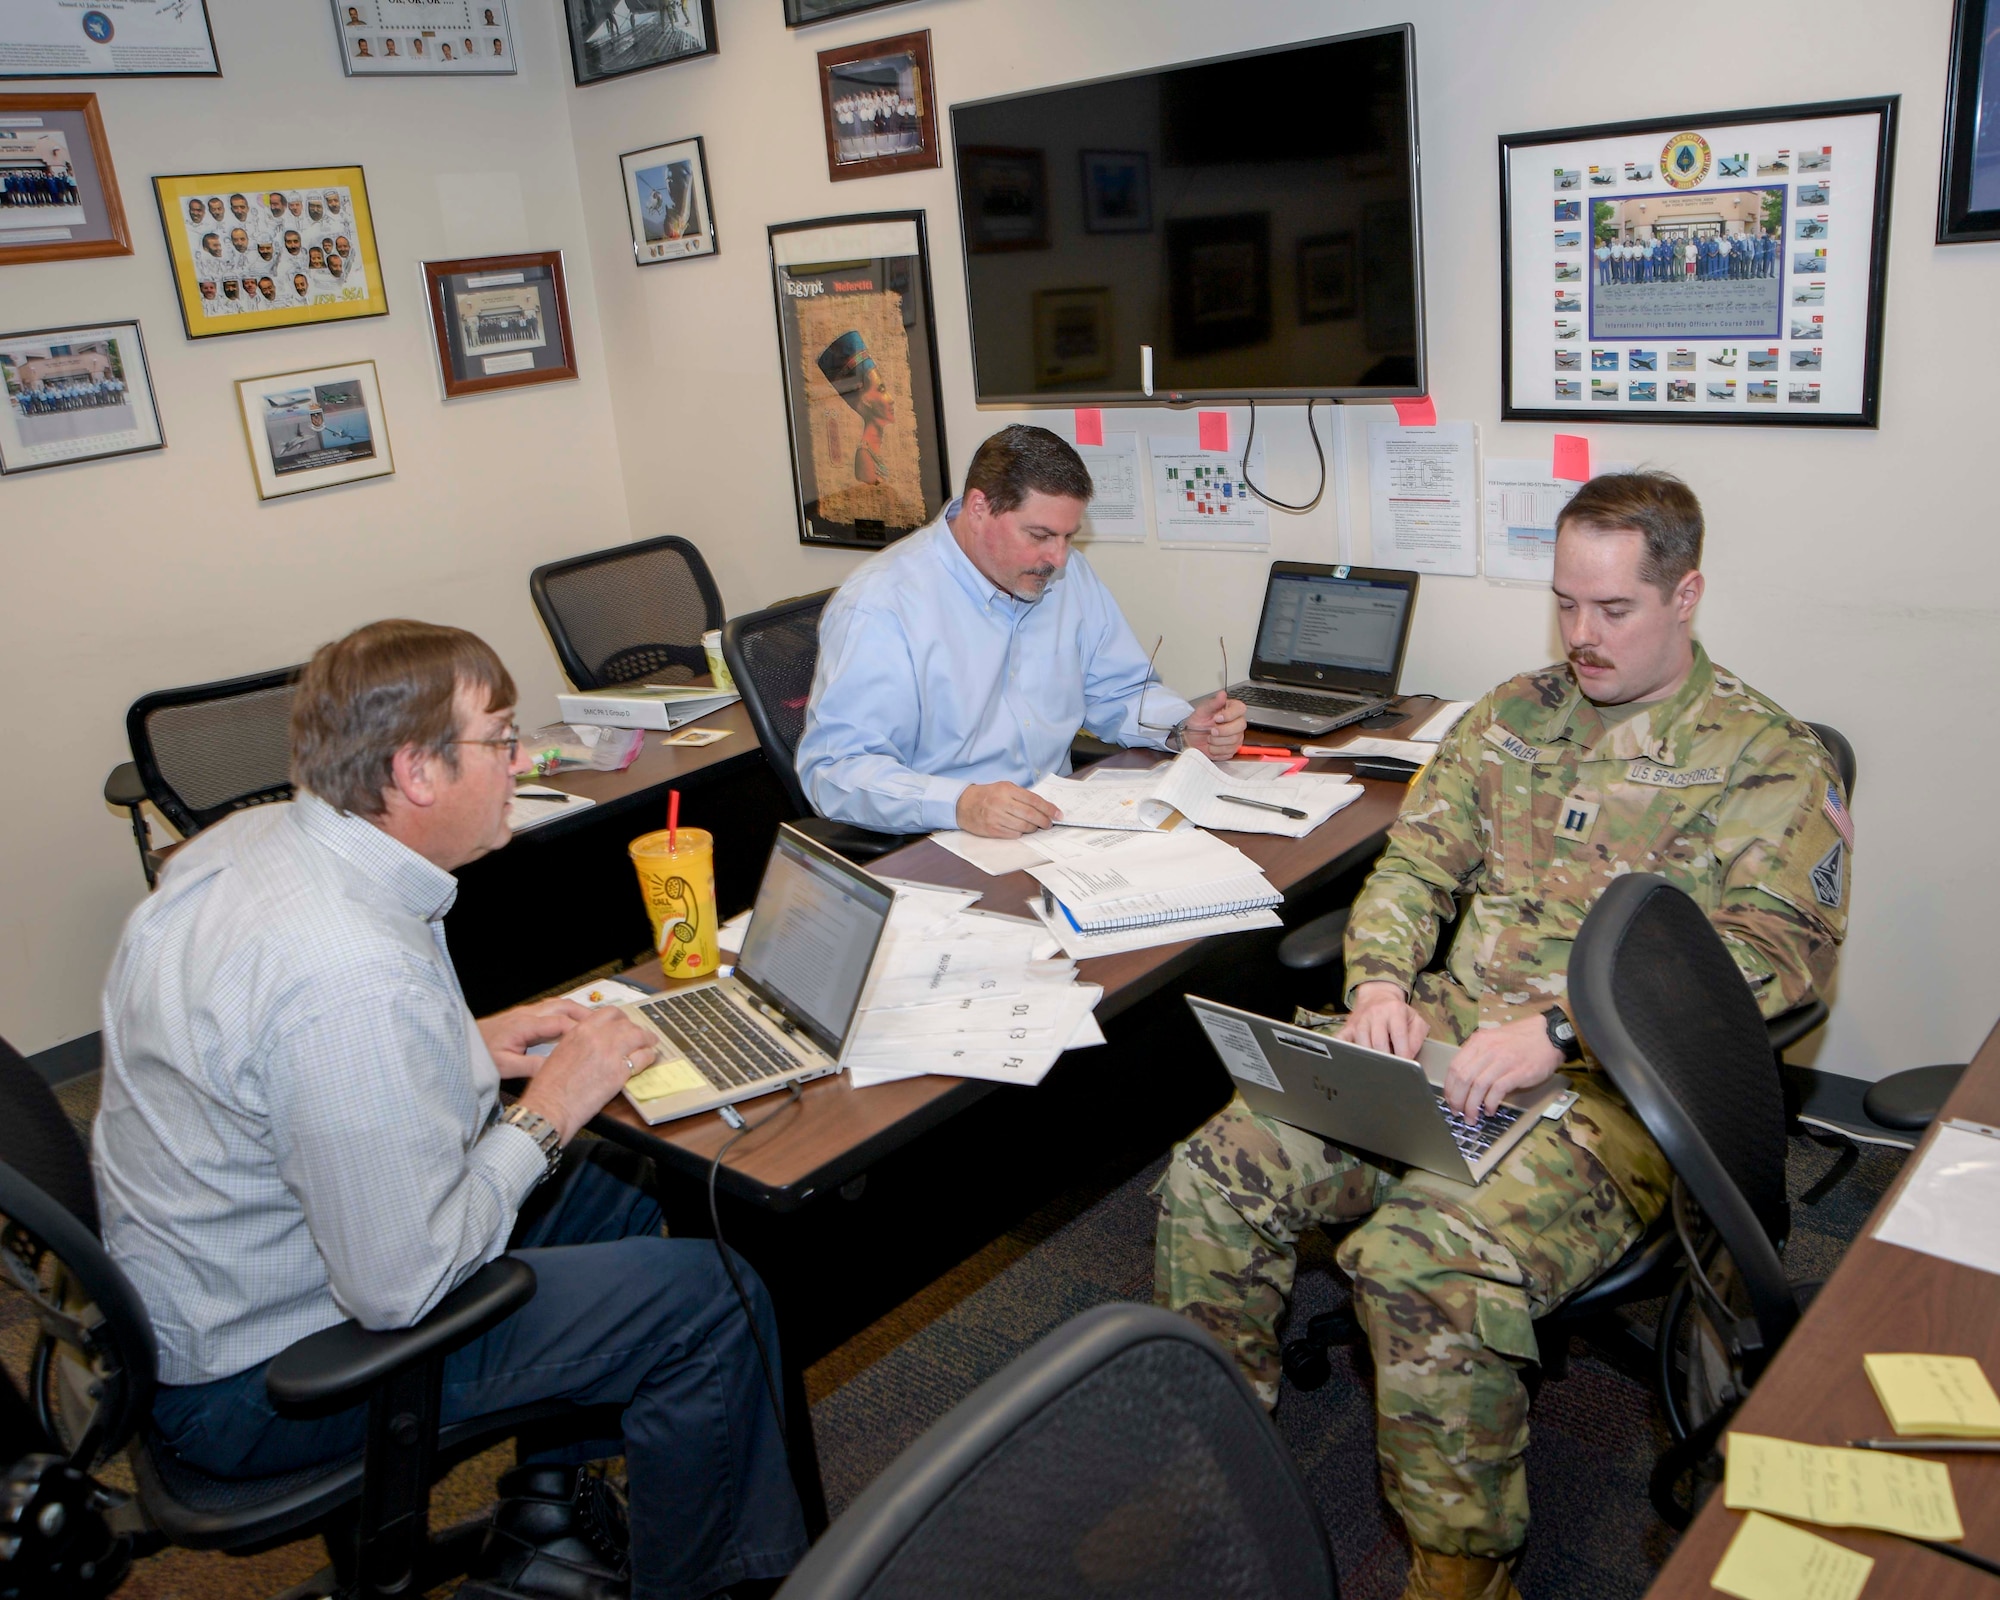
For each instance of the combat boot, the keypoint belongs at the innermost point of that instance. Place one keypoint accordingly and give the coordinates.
(1441, 1577)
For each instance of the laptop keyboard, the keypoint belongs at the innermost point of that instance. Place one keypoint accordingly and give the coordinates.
(726, 1049)
(1474, 1139)
(1317, 704)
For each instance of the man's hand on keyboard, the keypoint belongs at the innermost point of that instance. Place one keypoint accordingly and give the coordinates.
(587, 1068)
(1383, 1019)
(1003, 811)
(1495, 1062)
(510, 1034)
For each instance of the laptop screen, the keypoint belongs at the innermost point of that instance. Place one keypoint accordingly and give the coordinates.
(819, 918)
(1339, 627)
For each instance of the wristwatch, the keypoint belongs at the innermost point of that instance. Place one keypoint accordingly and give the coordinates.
(547, 1137)
(1562, 1034)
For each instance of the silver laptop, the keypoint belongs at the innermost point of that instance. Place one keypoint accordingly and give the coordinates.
(1329, 646)
(784, 1015)
(1369, 1101)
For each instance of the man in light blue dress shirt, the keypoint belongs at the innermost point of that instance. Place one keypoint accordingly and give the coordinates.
(956, 666)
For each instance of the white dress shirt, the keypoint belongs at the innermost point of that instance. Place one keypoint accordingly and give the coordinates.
(930, 679)
(297, 1108)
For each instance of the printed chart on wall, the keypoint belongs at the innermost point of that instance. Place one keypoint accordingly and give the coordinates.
(1712, 271)
(1200, 500)
(1423, 497)
(1522, 503)
(1117, 511)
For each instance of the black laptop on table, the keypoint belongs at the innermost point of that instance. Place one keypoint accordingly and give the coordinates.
(1329, 646)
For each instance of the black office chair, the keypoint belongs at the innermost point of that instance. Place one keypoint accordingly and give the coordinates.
(771, 654)
(637, 611)
(202, 752)
(1122, 1456)
(91, 1382)
(1665, 1010)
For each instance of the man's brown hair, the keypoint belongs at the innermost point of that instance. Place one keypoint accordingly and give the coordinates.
(1655, 505)
(390, 684)
(1021, 460)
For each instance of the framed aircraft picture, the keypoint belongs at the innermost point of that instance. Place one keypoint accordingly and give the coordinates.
(314, 429)
(1721, 269)
(666, 201)
(278, 249)
(500, 322)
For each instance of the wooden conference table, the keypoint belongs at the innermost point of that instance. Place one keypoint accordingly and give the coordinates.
(839, 1131)
(1880, 1299)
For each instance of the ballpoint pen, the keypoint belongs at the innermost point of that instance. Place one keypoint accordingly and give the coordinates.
(1264, 805)
(1924, 1446)
(551, 795)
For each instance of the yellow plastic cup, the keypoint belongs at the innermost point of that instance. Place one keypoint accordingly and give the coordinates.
(678, 886)
(718, 669)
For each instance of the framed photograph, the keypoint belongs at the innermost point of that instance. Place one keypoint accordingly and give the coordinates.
(666, 200)
(1072, 336)
(500, 322)
(609, 38)
(1969, 187)
(424, 38)
(1327, 288)
(1219, 281)
(75, 394)
(281, 249)
(863, 408)
(1003, 197)
(314, 429)
(1117, 191)
(107, 39)
(1739, 255)
(58, 195)
(879, 102)
(802, 13)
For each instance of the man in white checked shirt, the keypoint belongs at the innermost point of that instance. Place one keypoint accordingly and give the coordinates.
(299, 1126)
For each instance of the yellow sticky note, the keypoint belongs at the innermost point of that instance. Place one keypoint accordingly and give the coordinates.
(1942, 1397)
(663, 1078)
(1772, 1560)
(1841, 1488)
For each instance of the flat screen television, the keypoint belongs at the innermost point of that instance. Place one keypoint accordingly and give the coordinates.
(1253, 219)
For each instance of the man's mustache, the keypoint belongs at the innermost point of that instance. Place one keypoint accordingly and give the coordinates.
(1589, 658)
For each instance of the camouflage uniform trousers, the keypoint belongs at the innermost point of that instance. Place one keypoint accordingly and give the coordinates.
(1448, 1279)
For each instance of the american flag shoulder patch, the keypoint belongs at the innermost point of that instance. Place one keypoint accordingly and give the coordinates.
(1836, 813)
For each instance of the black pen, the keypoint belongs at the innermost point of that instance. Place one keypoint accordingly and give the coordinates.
(1264, 805)
(1979, 1446)
(557, 796)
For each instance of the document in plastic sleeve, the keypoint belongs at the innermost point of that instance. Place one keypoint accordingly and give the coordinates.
(1948, 1203)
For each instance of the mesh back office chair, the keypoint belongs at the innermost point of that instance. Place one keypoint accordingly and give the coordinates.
(771, 654)
(91, 1383)
(202, 752)
(1122, 1456)
(637, 611)
(1665, 1010)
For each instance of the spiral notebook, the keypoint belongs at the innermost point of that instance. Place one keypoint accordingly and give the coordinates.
(1220, 898)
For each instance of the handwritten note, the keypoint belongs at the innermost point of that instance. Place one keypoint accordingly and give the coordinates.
(1945, 1397)
(1772, 1560)
(1841, 1488)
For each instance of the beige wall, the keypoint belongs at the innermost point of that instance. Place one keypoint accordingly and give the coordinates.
(165, 569)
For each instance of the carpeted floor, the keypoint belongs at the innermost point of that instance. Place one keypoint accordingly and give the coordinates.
(1595, 1432)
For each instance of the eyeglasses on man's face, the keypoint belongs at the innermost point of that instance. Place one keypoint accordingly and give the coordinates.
(510, 742)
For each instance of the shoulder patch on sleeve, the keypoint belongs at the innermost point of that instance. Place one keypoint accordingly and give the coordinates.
(1829, 877)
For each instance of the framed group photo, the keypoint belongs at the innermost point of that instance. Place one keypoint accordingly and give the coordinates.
(314, 429)
(666, 201)
(879, 103)
(75, 394)
(441, 39)
(500, 322)
(1969, 186)
(107, 39)
(864, 411)
(59, 197)
(610, 38)
(1724, 268)
(277, 249)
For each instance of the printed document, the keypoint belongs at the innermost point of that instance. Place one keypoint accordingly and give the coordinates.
(1424, 497)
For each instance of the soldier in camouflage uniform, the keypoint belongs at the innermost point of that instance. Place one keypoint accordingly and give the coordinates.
(1634, 755)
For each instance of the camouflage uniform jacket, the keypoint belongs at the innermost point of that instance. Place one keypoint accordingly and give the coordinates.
(1535, 802)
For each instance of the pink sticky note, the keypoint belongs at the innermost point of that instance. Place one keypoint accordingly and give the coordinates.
(1214, 430)
(1089, 425)
(1572, 457)
(1421, 412)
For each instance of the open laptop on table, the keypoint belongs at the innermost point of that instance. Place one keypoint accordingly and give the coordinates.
(1329, 646)
(784, 1014)
(1369, 1101)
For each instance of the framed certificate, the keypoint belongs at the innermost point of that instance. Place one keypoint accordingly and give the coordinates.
(424, 38)
(500, 322)
(107, 39)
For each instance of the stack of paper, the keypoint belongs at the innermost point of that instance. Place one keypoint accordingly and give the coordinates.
(536, 803)
(1117, 891)
(966, 994)
(1442, 721)
(1192, 787)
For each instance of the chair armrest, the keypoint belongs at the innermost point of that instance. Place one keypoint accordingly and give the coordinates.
(1314, 944)
(848, 839)
(336, 1367)
(123, 788)
(1787, 1028)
